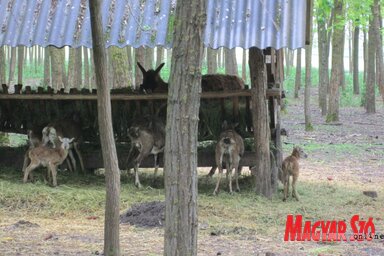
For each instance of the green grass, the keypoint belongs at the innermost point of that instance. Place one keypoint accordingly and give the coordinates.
(243, 213)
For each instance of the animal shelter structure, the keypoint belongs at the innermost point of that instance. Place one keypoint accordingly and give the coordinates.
(268, 25)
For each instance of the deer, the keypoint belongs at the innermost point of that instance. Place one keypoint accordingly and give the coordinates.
(229, 150)
(147, 136)
(290, 167)
(48, 157)
(69, 128)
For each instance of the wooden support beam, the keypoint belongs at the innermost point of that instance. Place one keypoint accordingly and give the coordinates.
(13, 158)
(156, 96)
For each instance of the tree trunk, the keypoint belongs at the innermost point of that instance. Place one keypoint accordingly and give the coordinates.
(379, 47)
(2, 66)
(355, 60)
(112, 174)
(130, 66)
(212, 61)
(86, 69)
(20, 62)
(47, 67)
(261, 132)
(337, 62)
(139, 57)
(149, 58)
(365, 56)
(244, 66)
(350, 39)
(371, 78)
(308, 82)
(298, 73)
(119, 61)
(230, 61)
(159, 55)
(12, 66)
(57, 57)
(180, 175)
(323, 66)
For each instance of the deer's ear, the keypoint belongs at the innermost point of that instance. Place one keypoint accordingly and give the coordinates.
(224, 125)
(159, 67)
(60, 138)
(70, 141)
(141, 68)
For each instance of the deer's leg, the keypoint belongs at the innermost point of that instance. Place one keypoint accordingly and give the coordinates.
(71, 160)
(76, 147)
(229, 174)
(212, 171)
(26, 163)
(286, 184)
(237, 177)
(29, 169)
(156, 165)
(52, 169)
(216, 191)
(294, 193)
(137, 164)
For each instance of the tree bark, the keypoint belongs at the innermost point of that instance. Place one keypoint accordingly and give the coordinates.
(261, 132)
(355, 60)
(379, 47)
(230, 62)
(20, 62)
(12, 66)
(337, 62)
(244, 66)
(370, 105)
(308, 82)
(86, 69)
(180, 171)
(159, 55)
(212, 61)
(119, 60)
(47, 67)
(57, 68)
(112, 174)
(2, 65)
(298, 73)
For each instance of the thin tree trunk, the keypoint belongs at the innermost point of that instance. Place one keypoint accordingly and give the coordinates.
(298, 73)
(261, 132)
(47, 67)
(355, 60)
(78, 65)
(337, 62)
(159, 55)
(365, 56)
(230, 61)
(119, 61)
(350, 39)
(130, 66)
(12, 66)
(20, 61)
(2, 66)
(212, 61)
(112, 173)
(57, 69)
(244, 66)
(86, 68)
(181, 224)
(379, 47)
(139, 57)
(308, 82)
(149, 58)
(370, 105)
(323, 66)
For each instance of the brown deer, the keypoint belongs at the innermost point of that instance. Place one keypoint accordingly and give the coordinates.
(48, 157)
(68, 128)
(229, 150)
(147, 137)
(290, 167)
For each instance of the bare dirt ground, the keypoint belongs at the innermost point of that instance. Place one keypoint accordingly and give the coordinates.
(350, 152)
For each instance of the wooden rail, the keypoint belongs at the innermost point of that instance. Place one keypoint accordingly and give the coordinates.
(155, 96)
(13, 157)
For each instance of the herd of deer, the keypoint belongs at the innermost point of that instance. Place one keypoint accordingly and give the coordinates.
(52, 145)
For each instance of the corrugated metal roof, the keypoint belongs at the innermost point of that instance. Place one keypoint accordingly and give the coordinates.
(230, 23)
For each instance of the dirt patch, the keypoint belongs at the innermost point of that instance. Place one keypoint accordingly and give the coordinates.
(150, 214)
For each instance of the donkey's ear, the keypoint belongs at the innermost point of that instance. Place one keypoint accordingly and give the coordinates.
(159, 67)
(141, 68)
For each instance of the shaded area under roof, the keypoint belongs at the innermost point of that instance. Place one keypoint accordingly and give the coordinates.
(230, 23)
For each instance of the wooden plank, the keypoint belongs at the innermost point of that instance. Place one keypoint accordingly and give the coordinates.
(134, 97)
(13, 158)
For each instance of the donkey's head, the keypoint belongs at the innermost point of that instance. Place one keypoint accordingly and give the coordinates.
(151, 79)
